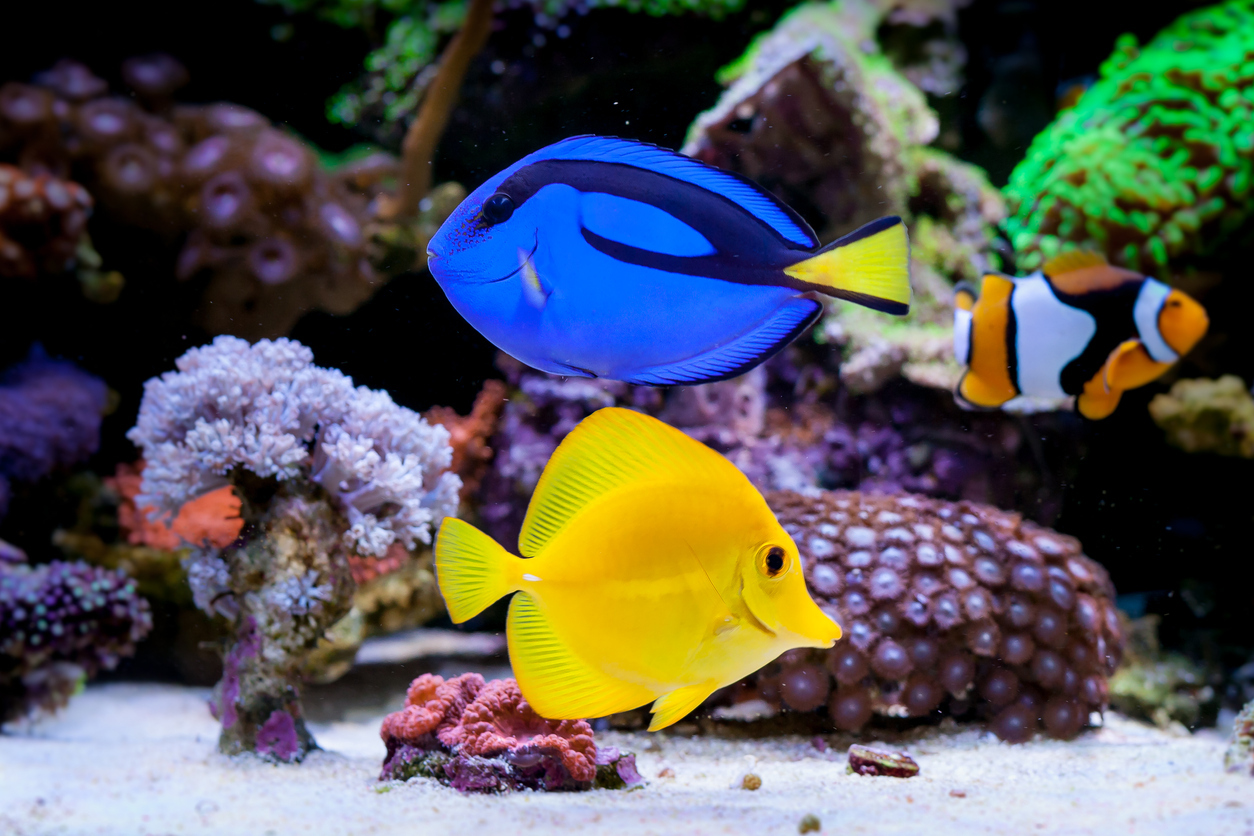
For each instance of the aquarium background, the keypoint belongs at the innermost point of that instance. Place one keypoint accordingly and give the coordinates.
(1172, 528)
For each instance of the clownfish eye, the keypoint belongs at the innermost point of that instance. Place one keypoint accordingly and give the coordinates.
(498, 208)
(774, 561)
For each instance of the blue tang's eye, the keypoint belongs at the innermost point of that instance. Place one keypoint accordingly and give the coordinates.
(498, 208)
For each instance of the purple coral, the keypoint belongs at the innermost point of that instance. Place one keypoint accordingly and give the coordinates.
(947, 606)
(60, 623)
(50, 413)
(324, 471)
(484, 737)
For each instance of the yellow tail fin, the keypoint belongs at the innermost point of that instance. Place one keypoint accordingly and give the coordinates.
(472, 570)
(870, 266)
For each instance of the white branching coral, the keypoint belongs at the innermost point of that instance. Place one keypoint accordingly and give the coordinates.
(267, 408)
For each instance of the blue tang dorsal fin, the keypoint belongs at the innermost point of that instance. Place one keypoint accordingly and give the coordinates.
(743, 192)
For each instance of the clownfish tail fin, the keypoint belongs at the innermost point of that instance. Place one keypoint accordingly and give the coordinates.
(869, 266)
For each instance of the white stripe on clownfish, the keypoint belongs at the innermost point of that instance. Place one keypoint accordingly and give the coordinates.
(1149, 304)
(1049, 334)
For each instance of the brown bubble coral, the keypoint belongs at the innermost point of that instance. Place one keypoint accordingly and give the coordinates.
(42, 221)
(485, 737)
(958, 607)
(270, 230)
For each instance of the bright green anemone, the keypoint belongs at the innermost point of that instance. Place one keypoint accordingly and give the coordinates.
(1156, 159)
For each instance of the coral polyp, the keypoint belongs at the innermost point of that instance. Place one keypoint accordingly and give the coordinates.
(952, 607)
(324, 472)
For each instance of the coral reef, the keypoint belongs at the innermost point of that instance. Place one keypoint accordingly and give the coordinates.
(484, 737)
(323, 471)
(791, 425)
(59, 624)
(1240, 754)
(469, 435)
(1158, 687)
(211, 520)
(1155, 160)
(276, 232)
(1214, 416)
(50, 413)
(401, 71)
(396, 592)
(42, 221)
(815, 113)
(947, 607)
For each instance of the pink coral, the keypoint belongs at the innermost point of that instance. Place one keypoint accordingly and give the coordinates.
(485, 737)
(500, 719)
(430, 703)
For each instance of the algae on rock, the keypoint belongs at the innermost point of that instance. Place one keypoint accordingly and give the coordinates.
(1215, 416)
(817, 114)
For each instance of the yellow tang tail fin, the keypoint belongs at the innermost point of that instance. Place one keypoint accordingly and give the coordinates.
(472, 570)
(870, 266)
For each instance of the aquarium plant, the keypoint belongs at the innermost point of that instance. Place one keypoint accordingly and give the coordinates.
(323, 470)
(1155, 160)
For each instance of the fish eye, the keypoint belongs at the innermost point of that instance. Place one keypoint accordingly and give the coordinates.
(774, 561)
(498, 208)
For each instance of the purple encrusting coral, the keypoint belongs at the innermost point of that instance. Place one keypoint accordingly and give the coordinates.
(60, 623)
(324, 471)
(50, 413)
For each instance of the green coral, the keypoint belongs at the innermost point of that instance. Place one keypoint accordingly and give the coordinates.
(1215, 416)
(400, 68)
(1156, 159)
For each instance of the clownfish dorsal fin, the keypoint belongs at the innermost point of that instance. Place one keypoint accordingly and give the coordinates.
(1073, 260)
(609, 449)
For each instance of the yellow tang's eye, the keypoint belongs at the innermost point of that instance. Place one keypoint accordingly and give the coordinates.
(772, 561)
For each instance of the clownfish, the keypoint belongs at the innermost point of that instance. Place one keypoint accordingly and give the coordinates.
(603, 257)
(1078, 327)
(651, 570)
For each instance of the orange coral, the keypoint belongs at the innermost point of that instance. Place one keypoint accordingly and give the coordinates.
(368, 568)
(469, 434)
(430, 703)
(212, 519)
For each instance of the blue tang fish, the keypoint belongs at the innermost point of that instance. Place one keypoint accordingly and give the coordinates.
(603, 257)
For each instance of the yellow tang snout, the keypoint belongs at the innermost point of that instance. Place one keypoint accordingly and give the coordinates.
(1182, 321)
(774, 590)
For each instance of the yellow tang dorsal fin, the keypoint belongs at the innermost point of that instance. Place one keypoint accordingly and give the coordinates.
(611, 448)
(558, 684)
(1073, 260)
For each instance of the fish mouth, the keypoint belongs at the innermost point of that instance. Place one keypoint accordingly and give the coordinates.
(523, 263)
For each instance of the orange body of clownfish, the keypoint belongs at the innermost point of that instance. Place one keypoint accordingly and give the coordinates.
(1078, 327)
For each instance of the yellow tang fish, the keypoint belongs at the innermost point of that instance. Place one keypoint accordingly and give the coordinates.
(652, 570)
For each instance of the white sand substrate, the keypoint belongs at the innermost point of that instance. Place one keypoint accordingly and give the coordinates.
(136, 759)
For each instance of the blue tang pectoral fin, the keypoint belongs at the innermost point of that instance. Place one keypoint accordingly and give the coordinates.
(742, 353)
(869, 266)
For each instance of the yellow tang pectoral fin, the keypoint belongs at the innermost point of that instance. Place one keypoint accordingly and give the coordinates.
(870, 266)
(678, 704)
(1130, 366)
(557, 683)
